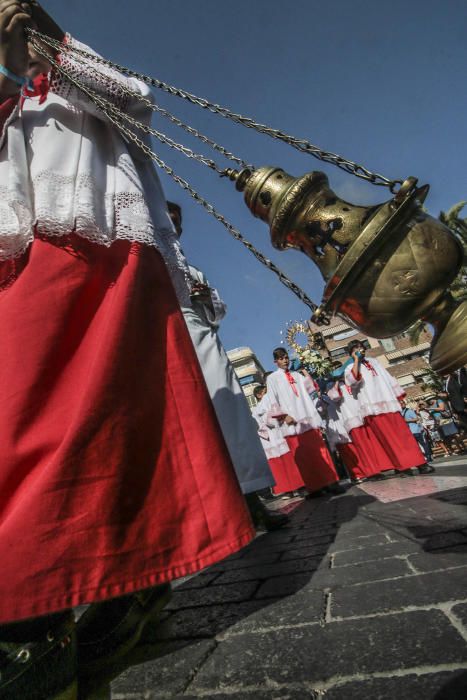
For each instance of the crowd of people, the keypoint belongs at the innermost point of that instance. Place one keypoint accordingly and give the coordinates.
(360, 411)
(129, 455)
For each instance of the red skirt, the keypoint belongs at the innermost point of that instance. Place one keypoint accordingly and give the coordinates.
(371, 455)
(394, 435)
(285, 473)
(351, 458)
(313, 459)
(113, 472)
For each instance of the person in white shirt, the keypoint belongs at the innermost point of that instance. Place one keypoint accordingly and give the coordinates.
(238, 426)
(378, 394)
(361, 453)
(109, 489)
(290, 398)
(286, 474)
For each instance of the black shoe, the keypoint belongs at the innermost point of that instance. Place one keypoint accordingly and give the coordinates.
(405, 473)
(336, 489)
(317, 494)
(378, 477)
(108, 631)
(426, 469)
(45, 668)
(272, 521)
(358, 480)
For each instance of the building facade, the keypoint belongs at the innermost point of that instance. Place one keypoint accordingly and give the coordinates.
(248, 369)
(405, 360)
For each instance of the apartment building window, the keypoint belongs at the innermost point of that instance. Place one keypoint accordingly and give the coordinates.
(387, 344)
(249, 379)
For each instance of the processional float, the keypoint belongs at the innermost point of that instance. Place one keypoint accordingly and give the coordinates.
(385, 266)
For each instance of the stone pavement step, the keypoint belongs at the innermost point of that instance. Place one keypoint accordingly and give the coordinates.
(359, 597)
(316, 655)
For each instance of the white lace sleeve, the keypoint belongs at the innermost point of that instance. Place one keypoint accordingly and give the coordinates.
(105, 81)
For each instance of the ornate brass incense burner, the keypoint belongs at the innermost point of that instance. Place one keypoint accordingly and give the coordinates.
(385, 266)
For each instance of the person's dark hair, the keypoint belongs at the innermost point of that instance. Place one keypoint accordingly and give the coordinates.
(352, 345)
(173, 206)
(258, 389)
(277, 353)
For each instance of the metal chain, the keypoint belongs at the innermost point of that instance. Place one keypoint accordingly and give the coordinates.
(175, 120)
(300, 144)
(113, 113)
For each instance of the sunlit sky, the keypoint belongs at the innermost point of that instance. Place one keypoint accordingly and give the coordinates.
(380, 83)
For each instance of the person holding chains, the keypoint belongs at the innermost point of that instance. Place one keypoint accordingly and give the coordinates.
(108, 488)
(378, 394)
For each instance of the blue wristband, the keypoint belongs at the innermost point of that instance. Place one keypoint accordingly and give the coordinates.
(24, 82)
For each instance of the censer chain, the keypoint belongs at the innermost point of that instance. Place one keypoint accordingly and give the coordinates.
(300, 144)
(114, 115)
(175, 120)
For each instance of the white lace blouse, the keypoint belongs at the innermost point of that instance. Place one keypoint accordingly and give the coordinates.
(64, 168)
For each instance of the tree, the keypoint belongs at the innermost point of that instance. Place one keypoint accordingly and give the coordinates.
(433, 381)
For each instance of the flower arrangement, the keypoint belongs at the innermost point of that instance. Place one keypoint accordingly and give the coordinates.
(317, 365)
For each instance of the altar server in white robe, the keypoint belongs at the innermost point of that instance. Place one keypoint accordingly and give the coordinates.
(378, 394)
(285, 471)
(346, 431)
(290, 395)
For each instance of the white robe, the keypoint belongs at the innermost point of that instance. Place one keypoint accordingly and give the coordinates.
(272, 439)
(377, 392)
(335, 429)
(236, 422)
(302, 407)
(347, 406)
(79, 174)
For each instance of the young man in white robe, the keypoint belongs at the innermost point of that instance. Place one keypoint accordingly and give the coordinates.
(347, 432)
(378, 394)
(286, 474)
(291, 400)
(233, 414)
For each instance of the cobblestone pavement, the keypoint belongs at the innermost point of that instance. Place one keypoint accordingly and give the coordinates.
(362, 596)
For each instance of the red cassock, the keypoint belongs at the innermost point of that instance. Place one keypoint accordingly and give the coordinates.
(285, 473)
(400, 446)
(366, 454)
(313, 459)
(113, 472)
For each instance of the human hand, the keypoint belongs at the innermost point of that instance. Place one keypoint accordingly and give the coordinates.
(200, 292)
(13, 45)
(288, 420)
(43, 21)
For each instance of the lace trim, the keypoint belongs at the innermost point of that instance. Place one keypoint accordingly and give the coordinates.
(105, 80)
(276, 451)
(87, 211)
(379, 407)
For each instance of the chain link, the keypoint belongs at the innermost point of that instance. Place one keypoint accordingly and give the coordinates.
(175, 120)
(113, 114)
(300, 144)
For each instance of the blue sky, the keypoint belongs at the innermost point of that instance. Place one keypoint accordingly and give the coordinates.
(380, 83)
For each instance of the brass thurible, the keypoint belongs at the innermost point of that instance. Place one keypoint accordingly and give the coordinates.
(385, 266)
